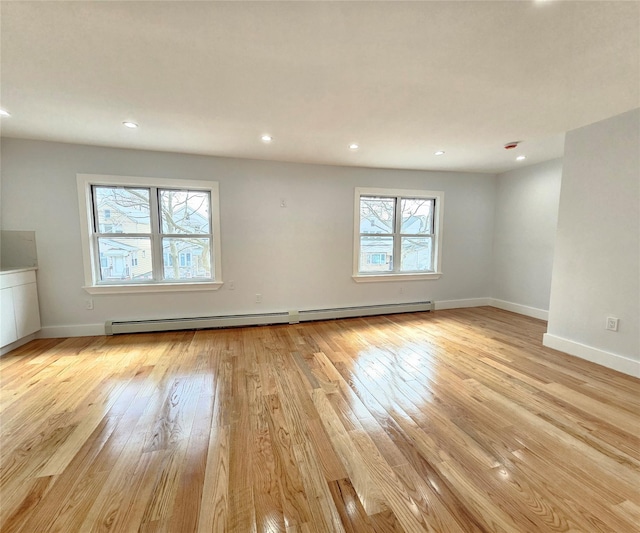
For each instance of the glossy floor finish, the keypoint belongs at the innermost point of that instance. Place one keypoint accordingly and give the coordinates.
(448, 421)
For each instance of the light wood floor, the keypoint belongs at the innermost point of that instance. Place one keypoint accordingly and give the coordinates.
(448, 421)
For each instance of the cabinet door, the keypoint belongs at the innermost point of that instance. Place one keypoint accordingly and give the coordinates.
(25, 303)
(8, 333)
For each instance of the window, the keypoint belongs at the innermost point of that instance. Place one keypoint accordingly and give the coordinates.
(143, 234)
(185, 259)
(397, 234)
(376, 259)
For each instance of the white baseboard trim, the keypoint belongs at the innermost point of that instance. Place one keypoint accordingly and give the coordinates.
(533, 312)
(17, 344)
(459, 304)
(80, 330)
(595, 355)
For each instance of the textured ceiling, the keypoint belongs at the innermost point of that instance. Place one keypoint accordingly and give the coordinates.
(400, 79)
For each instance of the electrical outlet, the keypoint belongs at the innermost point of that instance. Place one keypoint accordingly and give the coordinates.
(258, 298)
(88, 304)
(612, 324)
(231, 285)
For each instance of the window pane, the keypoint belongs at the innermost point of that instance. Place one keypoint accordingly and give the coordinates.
(417, 215)
(122, 210)
(125, 259)
(184, 212)
(376, 254)
(186, 258)
(417, 254)
(376, 214)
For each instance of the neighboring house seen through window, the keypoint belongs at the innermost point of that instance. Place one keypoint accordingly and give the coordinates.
(142, 232)
(397, 234)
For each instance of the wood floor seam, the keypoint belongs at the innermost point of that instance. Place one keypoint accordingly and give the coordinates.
(453, 421)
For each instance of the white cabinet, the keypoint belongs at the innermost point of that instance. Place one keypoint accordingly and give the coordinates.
(25, 304)
(19, 309)
(8, 331)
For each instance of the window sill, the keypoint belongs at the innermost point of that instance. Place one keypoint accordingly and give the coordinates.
(366, 278)
(153, 287)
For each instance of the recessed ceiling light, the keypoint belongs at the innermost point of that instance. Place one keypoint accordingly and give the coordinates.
(130, 124)
(439, 152)
(521, 158)
(4, 113)
(266, 138)
(353, 146)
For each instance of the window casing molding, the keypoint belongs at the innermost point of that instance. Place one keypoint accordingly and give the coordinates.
(90, 254)
(396, 274)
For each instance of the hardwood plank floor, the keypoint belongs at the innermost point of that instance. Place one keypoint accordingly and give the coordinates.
(453, 421)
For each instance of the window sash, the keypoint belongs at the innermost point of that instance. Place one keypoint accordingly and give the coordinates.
(160, 190)
(415, 255)
(397, 235)
(156, 236)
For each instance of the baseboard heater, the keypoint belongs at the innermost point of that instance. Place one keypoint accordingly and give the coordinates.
(113, 327)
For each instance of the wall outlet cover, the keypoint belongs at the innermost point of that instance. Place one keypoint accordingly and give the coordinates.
(612, 324)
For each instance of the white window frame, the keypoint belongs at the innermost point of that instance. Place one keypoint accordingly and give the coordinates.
(91, 259)
(438, 217)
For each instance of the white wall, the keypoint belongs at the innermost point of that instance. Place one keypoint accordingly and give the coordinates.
(525, 230)
(596, 269)
(298, 257)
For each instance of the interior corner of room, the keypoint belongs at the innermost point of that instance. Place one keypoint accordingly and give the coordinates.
(524, 129)
(320, 266)
(556, 240)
